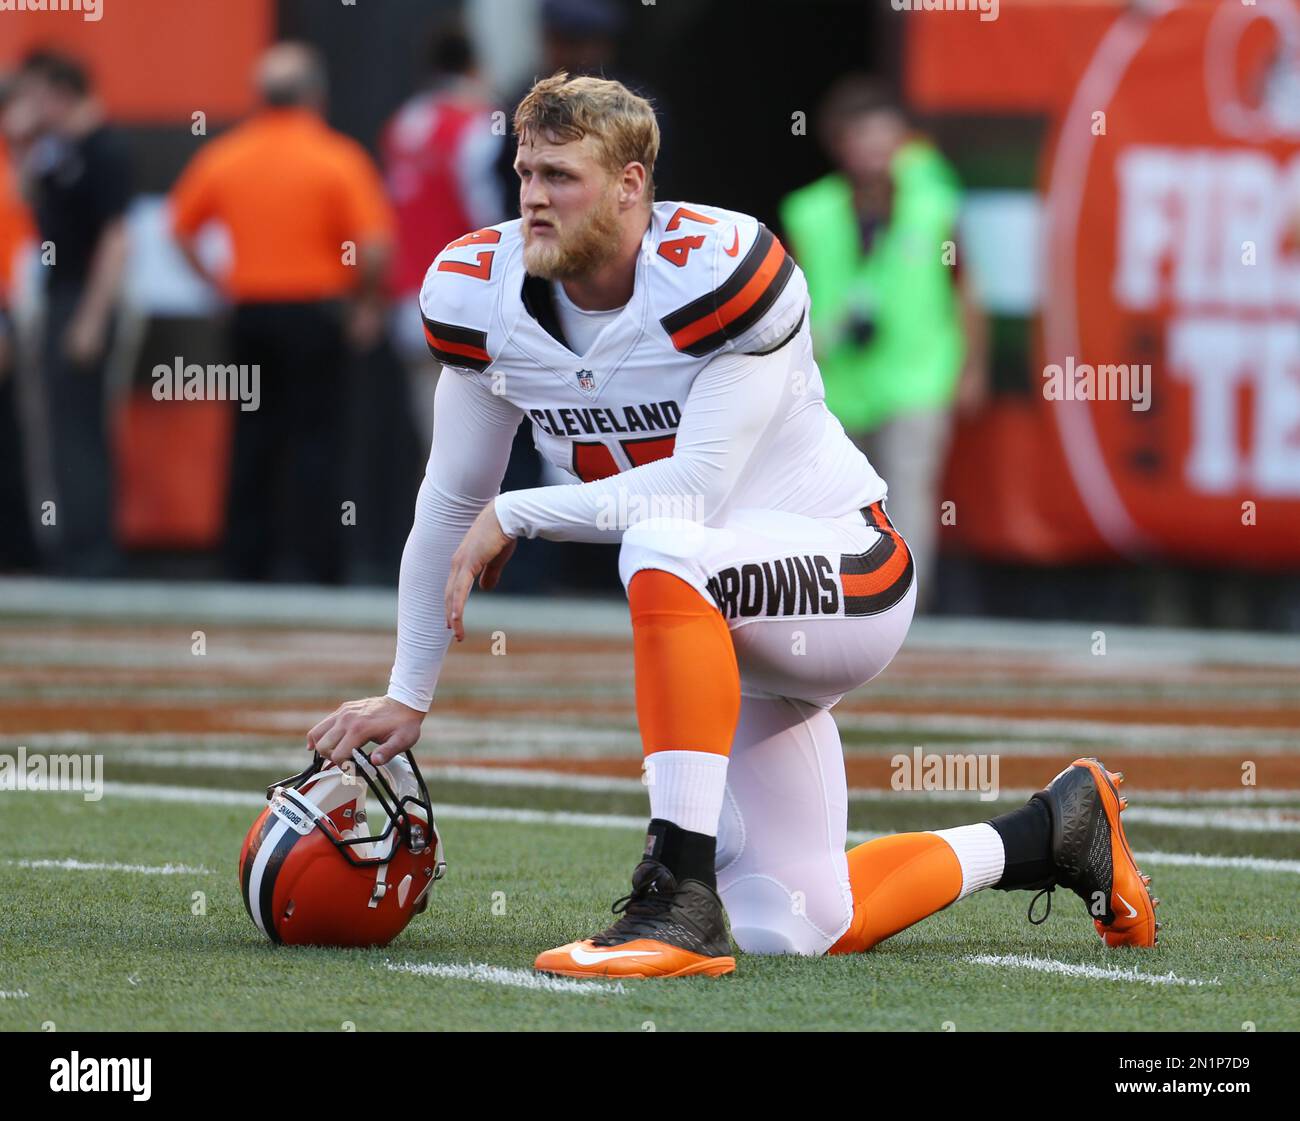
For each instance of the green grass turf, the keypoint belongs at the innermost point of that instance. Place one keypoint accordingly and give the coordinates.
(121, 951)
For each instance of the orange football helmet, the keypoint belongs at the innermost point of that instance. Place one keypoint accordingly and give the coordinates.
(314, 874)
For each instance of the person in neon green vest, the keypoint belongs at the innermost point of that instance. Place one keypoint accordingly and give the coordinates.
(900, 338)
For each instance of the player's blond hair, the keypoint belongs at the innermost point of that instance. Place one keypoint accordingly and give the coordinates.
(561, 109)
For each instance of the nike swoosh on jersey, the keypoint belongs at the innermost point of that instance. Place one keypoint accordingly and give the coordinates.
(591, 957)
(735, 243)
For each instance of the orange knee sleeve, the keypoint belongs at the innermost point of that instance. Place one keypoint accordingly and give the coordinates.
(687, 681)
(896, 882)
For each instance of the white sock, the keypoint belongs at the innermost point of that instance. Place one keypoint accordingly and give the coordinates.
(979, 852)
(686, 788)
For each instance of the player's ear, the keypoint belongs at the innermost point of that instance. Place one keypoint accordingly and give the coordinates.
(631, 183)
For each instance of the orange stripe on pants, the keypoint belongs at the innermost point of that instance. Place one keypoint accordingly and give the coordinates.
(897, 881)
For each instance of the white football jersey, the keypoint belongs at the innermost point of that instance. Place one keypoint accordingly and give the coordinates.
(709, 281)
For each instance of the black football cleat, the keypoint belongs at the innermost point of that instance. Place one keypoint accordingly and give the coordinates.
(664, 929)
(1092, 855)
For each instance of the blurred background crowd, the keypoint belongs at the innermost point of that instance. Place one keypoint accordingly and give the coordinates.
(263, 183)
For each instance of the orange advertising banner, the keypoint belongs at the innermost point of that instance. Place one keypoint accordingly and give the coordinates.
(1164, 417)
(1026, 60)
(1173, 255)
(153, 61)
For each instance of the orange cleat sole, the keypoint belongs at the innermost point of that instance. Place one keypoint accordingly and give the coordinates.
(640, 959)
(711, 967)
(1131, 901)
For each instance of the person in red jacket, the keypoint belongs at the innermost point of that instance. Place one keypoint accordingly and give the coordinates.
(438, 152)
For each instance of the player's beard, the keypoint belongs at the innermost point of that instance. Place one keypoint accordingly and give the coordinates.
(578, 251)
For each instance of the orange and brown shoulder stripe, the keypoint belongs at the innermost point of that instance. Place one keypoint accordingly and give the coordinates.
(457, 346)
(707, 323)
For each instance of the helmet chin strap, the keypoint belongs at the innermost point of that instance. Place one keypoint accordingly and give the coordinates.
(381, 885)
(381, 871)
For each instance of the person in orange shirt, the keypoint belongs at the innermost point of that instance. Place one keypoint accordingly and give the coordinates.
(310, 233)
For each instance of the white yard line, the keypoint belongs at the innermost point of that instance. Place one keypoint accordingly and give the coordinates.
(196, 795)
(70, 865)
(199, 796)
(1089, 972)
(150, 792)
(1251, 796)
(610, 784)
(539, 817)
(82, 741)
(1198, 860)
(1134, 735)
(523, 738)
(514, 978)
(1261, 820)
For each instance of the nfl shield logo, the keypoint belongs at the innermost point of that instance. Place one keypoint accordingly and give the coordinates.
(586, 381)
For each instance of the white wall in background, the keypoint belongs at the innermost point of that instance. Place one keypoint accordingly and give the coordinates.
(1001, 234)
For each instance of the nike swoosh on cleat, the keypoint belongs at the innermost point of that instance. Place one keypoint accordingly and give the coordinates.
(1132, 911)
(591, 957)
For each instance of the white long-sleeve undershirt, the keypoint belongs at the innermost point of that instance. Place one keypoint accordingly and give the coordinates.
(734, 406)
(731, 409)
(472, 434)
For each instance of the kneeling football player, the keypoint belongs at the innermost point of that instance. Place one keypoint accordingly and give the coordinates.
(661, 352)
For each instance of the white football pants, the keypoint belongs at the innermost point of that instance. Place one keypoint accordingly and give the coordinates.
(816, 607)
